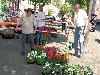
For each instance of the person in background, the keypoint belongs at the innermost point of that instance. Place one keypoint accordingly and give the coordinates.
(63, 20)
(27, 22)
(40, 25)
(80, 21)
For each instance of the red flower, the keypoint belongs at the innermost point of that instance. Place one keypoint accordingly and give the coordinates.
(65, 58)
(49, 57)
(58, 56)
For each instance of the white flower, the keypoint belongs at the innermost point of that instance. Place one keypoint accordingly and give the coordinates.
(53, 72)
(32, 52)
(30, 58)
(42, 51)
(28, 54)
(57, 64)
(47, 64)
(43, 54)
(44, 67)
(61, 66)
(35, 52)
(39, 56)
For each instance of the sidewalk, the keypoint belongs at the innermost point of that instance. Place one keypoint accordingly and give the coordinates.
(13, 63)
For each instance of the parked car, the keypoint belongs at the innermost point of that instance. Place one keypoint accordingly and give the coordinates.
(50, 18)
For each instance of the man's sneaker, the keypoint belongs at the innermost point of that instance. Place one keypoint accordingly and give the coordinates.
(77, 55)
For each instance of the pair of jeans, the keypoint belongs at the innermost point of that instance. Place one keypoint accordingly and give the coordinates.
(79, 36)
(40, 35)
(27, 38)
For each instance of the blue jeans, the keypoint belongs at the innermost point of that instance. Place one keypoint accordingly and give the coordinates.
(27, 38)
(79, 36)
(40, 35)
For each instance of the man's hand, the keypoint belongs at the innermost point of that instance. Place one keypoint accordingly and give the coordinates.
(43, 19)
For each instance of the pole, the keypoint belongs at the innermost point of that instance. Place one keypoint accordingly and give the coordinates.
(17, 3)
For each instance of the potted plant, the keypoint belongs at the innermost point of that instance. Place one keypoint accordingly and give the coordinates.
(31, 57)
(41, 58)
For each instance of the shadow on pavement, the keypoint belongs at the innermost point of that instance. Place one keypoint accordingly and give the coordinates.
(97, 40)
(58, 39)
(71, 54)
(12, 62)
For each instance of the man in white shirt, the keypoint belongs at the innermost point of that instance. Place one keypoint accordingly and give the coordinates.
(80, 21)
(40, 25)
(27, 22)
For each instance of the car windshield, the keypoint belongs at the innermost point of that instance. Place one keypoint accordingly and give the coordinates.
(49, 16)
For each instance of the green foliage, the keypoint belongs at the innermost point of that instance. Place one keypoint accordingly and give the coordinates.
(77, 70)
(31, 57)
(3, 6)
(66, 69)
(41, 1)
(84, 3)
(50, 11)
(65, 8)
(57, 2)
(41, 58)
(36, 56)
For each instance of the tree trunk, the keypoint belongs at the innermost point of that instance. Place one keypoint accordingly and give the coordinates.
(86, 38)
(87, 9)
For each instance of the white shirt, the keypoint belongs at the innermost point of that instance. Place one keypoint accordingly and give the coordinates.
(27, 24)
(23, 14)
(40, 19)
(80, 18)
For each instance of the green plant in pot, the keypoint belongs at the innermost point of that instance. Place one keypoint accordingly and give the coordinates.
(31, 57)
(46, 68)
(41, 58)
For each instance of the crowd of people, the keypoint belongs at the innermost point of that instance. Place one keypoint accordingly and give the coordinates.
(31, 22)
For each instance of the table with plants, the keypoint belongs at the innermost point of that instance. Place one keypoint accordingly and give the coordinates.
(56, 62)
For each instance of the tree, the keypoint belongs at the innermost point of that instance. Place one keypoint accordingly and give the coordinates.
(84, 3)
(3, 6)
(57, 2)
(66, 7)
(41, 3)
(50, 11)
